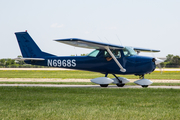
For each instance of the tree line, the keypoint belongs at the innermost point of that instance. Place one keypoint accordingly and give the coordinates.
(11, 63)
(171, 61)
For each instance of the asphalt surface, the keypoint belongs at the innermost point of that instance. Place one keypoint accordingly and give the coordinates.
(83, 86)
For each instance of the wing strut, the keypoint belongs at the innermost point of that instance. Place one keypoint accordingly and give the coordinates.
(117, 62)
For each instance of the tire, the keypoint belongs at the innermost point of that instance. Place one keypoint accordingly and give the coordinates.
(144, 86)
(103, 85)
(120, 85)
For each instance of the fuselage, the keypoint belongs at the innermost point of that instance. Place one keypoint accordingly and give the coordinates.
(134, 64)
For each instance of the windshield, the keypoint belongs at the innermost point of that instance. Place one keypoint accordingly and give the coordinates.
(128, 51)
(93, 53)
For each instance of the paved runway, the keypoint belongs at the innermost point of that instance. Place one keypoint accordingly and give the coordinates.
(87, 86)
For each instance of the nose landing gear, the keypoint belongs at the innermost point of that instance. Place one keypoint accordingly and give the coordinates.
(143, 82)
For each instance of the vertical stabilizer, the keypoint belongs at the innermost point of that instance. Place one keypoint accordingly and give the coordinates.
(28, 47)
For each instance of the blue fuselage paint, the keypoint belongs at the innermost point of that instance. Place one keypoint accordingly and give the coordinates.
(137, 65)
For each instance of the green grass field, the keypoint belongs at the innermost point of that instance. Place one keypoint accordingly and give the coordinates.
(80, 74)
(88, 103)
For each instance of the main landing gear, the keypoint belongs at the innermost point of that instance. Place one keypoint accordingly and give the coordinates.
(119, 81)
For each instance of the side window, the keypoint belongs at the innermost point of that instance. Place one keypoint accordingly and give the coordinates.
(116, 53)
(106, 54)
(93, 53)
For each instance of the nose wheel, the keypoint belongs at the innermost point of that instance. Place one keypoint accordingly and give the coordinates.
(143, 82)
(144, 86)
(142, 77)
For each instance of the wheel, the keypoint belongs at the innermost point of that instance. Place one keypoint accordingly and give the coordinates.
(103, 85)
(120, 85)
(144, 86)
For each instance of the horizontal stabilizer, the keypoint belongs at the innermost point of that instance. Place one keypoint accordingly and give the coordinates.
(22, 59)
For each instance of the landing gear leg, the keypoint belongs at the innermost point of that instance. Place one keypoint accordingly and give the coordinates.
(120, 84)
(142, 77)
(106, 74)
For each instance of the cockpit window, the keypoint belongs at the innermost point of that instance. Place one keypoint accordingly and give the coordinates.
(116, 53)
(128, 51)
(93, 53)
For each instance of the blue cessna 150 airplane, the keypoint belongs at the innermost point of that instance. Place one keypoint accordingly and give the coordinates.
(106, 59)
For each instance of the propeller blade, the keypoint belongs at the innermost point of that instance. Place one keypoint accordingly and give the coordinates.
(158, 61)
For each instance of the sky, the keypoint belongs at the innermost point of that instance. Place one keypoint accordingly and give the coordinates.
(153, 24)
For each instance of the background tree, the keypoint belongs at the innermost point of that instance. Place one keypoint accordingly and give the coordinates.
(169, 58)
(84, 54)
(2, 62)
(172, 61)
(10, 62)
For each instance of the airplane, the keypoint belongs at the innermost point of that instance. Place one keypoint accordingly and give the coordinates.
(106, 59)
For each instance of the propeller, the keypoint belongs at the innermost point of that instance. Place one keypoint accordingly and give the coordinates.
(157, 62)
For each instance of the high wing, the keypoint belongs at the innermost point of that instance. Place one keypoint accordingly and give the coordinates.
(97, 45)
(88, 44)
(145, 50)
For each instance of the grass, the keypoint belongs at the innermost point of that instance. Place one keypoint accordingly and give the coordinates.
(88, 103)
(80, 74)
(86, 83)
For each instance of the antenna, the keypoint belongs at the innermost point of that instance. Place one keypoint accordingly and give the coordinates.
(100, 39)
(107, 39)
(119, 39)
